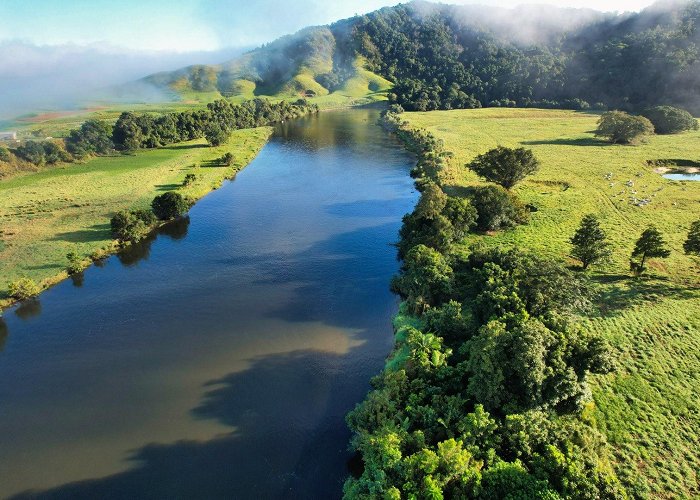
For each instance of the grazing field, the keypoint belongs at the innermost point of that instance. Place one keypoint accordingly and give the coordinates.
(649, 408)
(45, 215)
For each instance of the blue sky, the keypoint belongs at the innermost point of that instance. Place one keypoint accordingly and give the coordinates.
(195, 25)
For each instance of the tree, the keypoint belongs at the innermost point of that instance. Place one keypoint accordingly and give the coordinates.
(649, 245)
(23, 288)
(227, 159)
(215, 134)
(497, 208)
(169, 205)
(424, 279)
(134, 225)
(589, 242)
(505, 166)
(670, 120)
(75, 263)
(692, 243)
(620, 127)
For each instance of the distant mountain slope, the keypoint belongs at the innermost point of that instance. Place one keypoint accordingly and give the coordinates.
(444, 56)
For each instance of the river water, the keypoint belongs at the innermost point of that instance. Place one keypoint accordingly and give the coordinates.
(218, 359)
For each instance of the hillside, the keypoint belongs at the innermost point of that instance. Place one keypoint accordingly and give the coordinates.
(444, 56)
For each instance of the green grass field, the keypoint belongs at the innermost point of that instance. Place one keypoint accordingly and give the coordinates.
(649, 408)
(45, 215)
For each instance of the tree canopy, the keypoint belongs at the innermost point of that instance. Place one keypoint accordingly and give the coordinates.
(505, 166)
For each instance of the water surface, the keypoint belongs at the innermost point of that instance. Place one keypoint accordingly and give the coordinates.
(218, 359)
(682, 177)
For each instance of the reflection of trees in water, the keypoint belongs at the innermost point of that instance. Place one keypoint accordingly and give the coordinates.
(29, 309)
(78, 279)
(176, 229)
(4, 332)
(136, 252)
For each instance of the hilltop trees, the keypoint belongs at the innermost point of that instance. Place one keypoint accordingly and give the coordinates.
(589, 242)
(670, 120)
(649, 245)
(622, 128)
(692, 242)
(505, 166)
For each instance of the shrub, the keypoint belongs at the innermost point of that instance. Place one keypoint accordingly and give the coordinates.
(670, 120)
(169, 205)
(75, 263)
(23, 288)
(132, 225)
(620, 127)
(189, 179)
(5, 154)
(505, 166)
(227, 159)
(497, 208)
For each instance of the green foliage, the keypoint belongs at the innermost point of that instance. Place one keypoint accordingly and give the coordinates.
(134, 131)
(497, 208)
(424, 279)
(93, 137)
(227, 159)
(650, 244)
(169, 205)
(40, 153)
(23, 288)
(670, 120)
(505, 166)
(132, 225)
(5, 154)
(622, 128)
(189, 179)
(589, 243)
(692, 242)
(75, 263)
(447, 57)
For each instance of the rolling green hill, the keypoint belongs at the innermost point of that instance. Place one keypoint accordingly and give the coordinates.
(315, 62)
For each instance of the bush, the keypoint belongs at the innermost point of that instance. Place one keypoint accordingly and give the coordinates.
(132, 225)
(670, 120)
(5, 154)
(75, 263)
(23, 288)
(620, 127)
(497, 208)
(189, 179)
(169, 205)
(227, 159)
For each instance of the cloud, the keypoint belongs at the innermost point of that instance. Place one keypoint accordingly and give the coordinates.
(34, 77)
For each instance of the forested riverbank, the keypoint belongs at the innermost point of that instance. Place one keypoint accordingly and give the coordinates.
(488, 392)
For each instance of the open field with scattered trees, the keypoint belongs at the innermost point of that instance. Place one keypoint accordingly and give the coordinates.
(494, 317)
(46, 215)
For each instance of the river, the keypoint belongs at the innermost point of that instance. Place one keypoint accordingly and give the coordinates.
(217, 359)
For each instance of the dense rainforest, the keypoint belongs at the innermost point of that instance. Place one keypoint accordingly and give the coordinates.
(444, 57)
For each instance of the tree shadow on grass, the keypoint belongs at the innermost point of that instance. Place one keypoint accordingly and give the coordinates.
(285, 411)
(623, 291)
(167, 187)
(97, 232)
(584, 141)
(178, 147)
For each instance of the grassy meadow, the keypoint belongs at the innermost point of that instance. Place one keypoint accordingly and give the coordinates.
(649, 408)
(47, 214)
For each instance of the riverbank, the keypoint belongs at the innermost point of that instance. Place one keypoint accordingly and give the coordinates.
(647, 406)
(45, 215)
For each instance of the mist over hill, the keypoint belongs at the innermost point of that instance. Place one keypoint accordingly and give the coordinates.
(446, 56)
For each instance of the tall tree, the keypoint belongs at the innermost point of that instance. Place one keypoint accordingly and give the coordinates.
(692, 242)
(590, 242)
(505, 166)
(649, 245)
